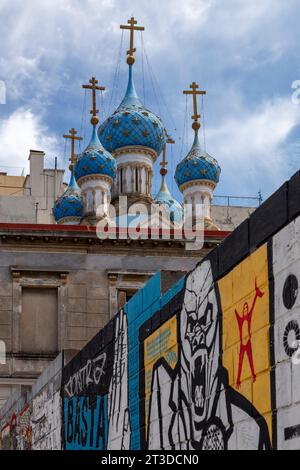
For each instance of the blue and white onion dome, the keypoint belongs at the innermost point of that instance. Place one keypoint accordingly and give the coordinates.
(95, 161)
(132, 125)
(197, 166)
(172, 207)
(68, 209)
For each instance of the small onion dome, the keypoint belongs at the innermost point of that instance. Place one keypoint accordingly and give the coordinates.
(69, 206)
(173, 208)
(197, 165)
(95, 160)
(132, 125)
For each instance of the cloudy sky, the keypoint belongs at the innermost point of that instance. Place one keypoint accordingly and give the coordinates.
(245, 54)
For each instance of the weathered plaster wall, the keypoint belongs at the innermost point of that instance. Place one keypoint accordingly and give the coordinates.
(210, 363)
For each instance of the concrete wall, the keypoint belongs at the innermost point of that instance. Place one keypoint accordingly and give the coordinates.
(11, 185)
(30, 200)
(17, 209)
(230, 217)
(210, 363)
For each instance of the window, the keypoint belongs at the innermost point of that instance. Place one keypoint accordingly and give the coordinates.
(39, 320)
(137, 180)
(124, 296)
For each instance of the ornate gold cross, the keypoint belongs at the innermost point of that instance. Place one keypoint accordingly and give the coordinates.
(132, 27)
(164, 163)
(194, 91)
(94, 87)
(73, 138)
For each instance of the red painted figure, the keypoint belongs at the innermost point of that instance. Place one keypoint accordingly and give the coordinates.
(244, 323)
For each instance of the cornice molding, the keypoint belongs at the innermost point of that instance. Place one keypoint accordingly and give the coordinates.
(69, 219)
(138, 149)
(94, 177)
(201, 182)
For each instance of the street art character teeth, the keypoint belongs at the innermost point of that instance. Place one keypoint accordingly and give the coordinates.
(199, 347)
(197, 376)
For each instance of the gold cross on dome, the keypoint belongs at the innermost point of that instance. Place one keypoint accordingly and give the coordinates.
(73, 138)
(194, 91)
(132, 27)
(94, 87)
(164, 163)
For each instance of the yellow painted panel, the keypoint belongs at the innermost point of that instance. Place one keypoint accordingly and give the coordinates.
(244, 296)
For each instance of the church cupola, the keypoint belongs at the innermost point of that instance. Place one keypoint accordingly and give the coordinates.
(68, 209)
(95, 169)
(135, 136)
(197, 175)
(173, 209)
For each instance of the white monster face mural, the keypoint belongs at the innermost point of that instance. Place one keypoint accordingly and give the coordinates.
(199, 339)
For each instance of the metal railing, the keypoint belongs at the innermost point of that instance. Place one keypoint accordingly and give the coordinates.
(258, 199)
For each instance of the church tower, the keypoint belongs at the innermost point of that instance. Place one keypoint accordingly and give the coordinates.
(95, 170)
(197, 175)
(135, 137)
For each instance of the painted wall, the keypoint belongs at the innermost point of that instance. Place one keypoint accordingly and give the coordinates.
(32, 419)
(211, 363)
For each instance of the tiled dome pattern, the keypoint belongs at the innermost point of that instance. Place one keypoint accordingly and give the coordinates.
(95, 160)
(70, 204)
(197, 165)
(132, 125)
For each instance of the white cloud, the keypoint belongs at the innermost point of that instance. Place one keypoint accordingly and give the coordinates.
(41, 40)
(21, 132)
(252, 147)
(49, 47)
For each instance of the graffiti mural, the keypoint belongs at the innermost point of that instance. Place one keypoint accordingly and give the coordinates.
(24, 435)
(202, 376)
(212, 363)
(192, 405)
(84, 396)
(46, 420)
(17, 434)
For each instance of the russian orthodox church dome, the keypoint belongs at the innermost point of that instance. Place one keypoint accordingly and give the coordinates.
(132, 124)
(172, 207)
(70, 204)
(197, 165)
(95, 160)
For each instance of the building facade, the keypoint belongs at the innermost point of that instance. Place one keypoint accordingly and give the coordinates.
(61, 277)
(59, 285)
